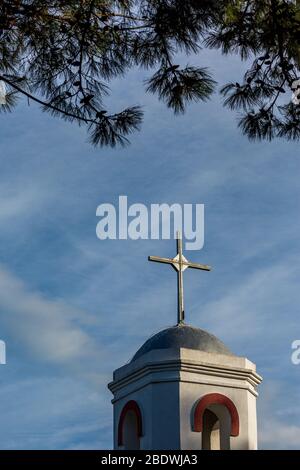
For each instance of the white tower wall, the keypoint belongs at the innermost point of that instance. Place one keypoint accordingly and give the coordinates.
(167, 385)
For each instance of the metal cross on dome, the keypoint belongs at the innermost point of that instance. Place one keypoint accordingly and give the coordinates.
(180, 264)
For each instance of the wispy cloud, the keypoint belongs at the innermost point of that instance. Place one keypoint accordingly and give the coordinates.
(276, 434)
(52, 413)
(255, 302)
(49, 329)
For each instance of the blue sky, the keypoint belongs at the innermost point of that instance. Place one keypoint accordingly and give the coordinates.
(73, 308)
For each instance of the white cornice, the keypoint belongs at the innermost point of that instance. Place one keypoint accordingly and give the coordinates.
(186, 371)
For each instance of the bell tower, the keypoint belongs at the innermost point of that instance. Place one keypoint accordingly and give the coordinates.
(184, 389)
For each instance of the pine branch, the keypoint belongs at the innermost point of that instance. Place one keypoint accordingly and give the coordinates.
(67, 51)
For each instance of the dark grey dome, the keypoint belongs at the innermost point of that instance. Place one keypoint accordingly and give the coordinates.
(183, 336)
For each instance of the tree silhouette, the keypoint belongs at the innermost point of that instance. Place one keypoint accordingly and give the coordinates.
(63, 54)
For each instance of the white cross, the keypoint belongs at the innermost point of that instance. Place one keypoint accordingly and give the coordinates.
(180, 264)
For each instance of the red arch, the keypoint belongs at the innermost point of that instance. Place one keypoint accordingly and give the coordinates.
(216, 398)
(130, 406)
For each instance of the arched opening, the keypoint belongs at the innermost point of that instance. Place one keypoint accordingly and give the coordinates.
(216, 417)
(130, 431)
(130, 426)
(216, 428)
